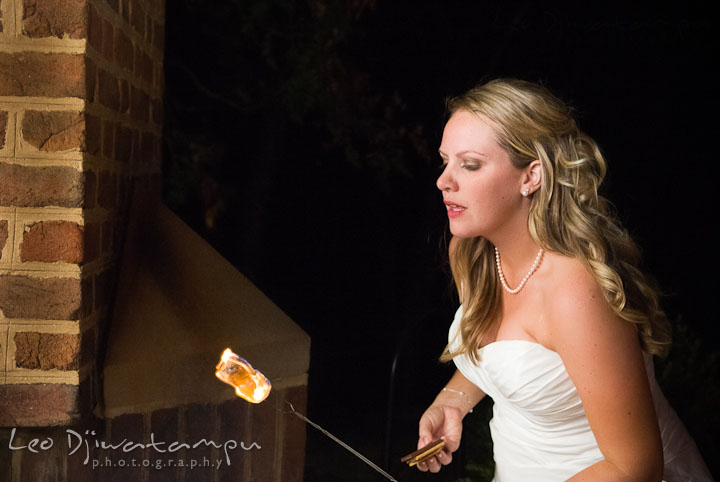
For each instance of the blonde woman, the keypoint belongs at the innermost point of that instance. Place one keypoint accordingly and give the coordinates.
(556, 322)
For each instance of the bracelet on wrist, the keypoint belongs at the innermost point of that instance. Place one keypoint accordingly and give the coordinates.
(463, 394)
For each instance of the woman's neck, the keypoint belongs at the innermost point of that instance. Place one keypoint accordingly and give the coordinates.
(517, 255)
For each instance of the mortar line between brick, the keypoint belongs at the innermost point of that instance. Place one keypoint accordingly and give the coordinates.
(14, 233)
(17, 17)
(7, 353)
(8, 14)
(15, 134)
(45, 103)
(19, 44)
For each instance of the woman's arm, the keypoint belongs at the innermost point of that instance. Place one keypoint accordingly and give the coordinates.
(602, 355)
(443, 419)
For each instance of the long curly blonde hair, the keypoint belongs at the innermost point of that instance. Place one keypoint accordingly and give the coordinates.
(567, 215)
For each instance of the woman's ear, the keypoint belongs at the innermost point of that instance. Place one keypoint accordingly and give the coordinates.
(532, 178)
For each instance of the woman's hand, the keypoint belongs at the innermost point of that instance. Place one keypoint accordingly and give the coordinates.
(440, 421)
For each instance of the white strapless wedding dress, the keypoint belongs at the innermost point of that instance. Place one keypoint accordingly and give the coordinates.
(539, 429)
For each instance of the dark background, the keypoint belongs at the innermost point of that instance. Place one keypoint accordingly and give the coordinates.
(300, 141)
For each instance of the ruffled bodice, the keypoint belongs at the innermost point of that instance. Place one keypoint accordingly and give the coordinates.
(539, 428)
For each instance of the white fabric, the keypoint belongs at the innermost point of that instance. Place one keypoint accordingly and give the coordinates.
(539, 428)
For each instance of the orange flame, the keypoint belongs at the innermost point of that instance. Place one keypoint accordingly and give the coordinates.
(249, 383)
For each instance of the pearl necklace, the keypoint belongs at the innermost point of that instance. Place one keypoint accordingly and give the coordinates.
(534, 266)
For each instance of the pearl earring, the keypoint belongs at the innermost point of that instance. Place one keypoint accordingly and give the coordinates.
(525, 192)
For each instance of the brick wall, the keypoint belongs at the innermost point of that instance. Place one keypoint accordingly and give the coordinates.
(80, 124)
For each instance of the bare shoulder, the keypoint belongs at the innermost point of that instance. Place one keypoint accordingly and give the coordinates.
(576, 311)
(572, 286)
(602, 356)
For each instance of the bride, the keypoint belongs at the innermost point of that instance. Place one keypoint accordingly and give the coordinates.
(556, 324)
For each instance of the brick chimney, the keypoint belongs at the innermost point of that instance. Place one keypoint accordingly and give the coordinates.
(81, 87)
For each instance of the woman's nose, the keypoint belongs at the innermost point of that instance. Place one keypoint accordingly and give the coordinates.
(445, 182)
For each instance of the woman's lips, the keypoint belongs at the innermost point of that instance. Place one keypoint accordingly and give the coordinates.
(454, 210)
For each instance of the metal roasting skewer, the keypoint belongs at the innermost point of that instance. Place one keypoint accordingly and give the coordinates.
(340, 442)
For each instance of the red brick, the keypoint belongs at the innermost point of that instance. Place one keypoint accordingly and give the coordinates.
(143, 65)
(90, 79)
(157, 112)
(124, 195)
(92, 242)
(199, 423)
(108, 139)
(43, 75)
(123, 50)
(139, 105)
(131, 428)
(38, 404)
(159, 36)
(107, 190)
(124, 188)
(87, 347)
(123, 144)
(137, 18)
(92, 134)
(126, 10)
(164, 426)
(294, 434)
(159, 75)
(30, 186)
(77, 470)
(108, 41)
(104, 285)
(54, 131)
(3, 235)
(107, 237)
(157, 8)
(54, 18)
(87, 296)
(3, 127)
(95, 33)
(263, 433)
(50, 241)
(135, 153)
(233, 424)
(149, 30)
(6, 456)
(47, 351)
(90, 190)
(114, 4)
(46, 465)
(41, 298)
(148, 148)
(124, 96)
(108, 90)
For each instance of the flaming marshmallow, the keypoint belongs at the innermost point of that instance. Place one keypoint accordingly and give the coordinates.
(249, 383)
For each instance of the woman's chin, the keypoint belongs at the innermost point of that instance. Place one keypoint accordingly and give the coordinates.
(463, 233)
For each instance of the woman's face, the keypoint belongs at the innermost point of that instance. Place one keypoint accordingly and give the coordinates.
(481, 188)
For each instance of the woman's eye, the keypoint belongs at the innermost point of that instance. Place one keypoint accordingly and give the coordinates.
(470, 166)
